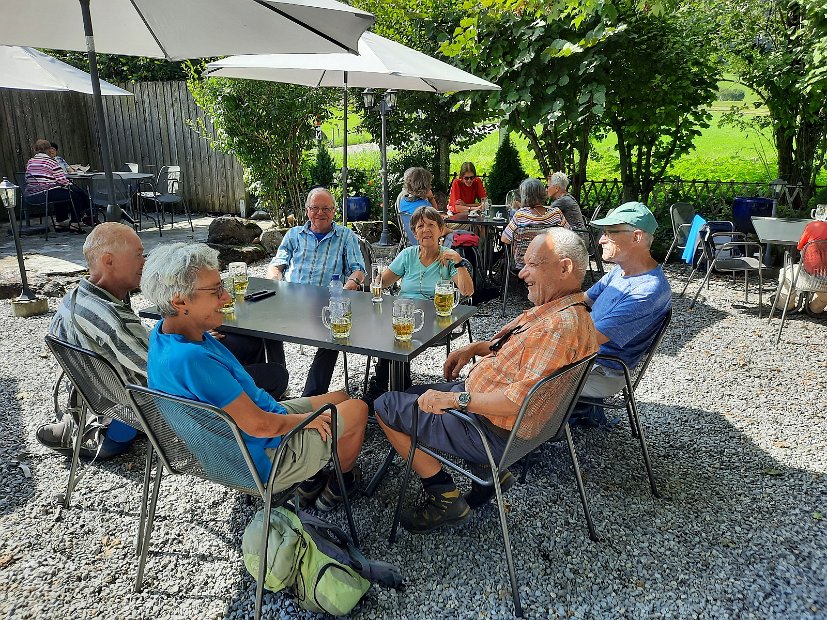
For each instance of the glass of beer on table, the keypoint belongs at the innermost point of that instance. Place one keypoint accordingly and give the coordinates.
(446, 297)
(239, 273)
(229, 305)
(376, 271)
(338, 317)
(404, 319)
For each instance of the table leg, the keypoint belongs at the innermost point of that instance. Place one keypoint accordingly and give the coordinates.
(397, 384)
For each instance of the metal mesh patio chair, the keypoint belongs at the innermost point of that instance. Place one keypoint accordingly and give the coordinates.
(103, 393)
(167, 194)
(625, 399)
(99, 193)
(204, 441)
(741, 258)
(514, 254)
(543, 417)
(726, 228)
(36, 201)
(811, 281)
(681, 214)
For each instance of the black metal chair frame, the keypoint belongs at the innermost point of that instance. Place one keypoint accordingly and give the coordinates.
(556, 428)
(167, 183)
(49, 213)
(626, 398)
(104, 393)
(680, 231)
(149, 407)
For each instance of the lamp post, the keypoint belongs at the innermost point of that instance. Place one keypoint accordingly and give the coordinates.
(28, 304)
(776, 191)
(384, 106)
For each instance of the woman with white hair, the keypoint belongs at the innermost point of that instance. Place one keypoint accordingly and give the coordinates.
(533, 212)
(183, 281)
(557, 187)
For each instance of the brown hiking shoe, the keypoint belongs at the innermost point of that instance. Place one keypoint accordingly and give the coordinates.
(443, 505)
(480, 495)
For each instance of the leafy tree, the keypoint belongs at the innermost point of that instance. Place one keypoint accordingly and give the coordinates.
(440, 123)
(660, 76)
(777, 48)
(267, 126)
(115, 68)
(507, 172)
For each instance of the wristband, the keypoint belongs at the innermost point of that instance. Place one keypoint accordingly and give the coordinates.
(464, 263)
(352, 279)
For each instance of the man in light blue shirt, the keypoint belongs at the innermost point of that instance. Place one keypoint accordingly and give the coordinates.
(312, 254)
(630, 302)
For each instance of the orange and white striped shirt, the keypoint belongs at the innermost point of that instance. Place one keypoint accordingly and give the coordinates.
(555, 335)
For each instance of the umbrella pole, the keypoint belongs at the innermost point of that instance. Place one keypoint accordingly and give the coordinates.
(344, 155)
(113, 211)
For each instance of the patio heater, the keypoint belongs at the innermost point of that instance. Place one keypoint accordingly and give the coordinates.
(27, 304)
(384, 106)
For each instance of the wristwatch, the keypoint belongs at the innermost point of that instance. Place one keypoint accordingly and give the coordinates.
(463, 400)
(464, 263)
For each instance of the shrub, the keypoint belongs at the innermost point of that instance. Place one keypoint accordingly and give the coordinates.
(506, 174)
(731, 94)
(323, 171)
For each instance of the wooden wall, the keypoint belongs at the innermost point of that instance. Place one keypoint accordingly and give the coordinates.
(149, 128)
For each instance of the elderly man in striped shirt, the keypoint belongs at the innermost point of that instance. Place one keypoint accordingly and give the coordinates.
(313, 254)
(556, 332)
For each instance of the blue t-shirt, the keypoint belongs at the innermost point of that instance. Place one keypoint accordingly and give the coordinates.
(206, 371)
(419, 281)
(407, 205)
(629, 312)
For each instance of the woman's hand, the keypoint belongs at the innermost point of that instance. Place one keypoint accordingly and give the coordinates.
(449, 256)
(321, 424)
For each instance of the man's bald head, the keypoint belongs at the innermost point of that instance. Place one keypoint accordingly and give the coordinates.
(108, 237)
(115, 256)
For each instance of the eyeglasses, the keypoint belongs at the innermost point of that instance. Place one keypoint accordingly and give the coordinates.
(218, 291)
(499, 344)
(611, 233)
(320, 209)
(468, 178)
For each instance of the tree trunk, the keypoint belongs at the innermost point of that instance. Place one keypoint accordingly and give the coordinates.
(443, 162)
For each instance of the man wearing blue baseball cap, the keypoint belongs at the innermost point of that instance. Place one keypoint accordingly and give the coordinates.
(630, 302)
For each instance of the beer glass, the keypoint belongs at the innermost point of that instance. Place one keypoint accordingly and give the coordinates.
(819, 213)
(404, 319)
(239, 273)
(376, 271)
(229, 305)
(338, 318)
(446, 297)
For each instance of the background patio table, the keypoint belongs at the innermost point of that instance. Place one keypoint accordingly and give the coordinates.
(495, 225)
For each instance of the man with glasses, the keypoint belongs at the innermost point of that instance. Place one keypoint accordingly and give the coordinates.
(313, 254)
(556, 332)
(628, 303)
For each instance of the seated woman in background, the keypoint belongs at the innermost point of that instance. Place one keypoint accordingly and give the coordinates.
(54, 155)
(467, 190)
(557, 186)
(416, 192)
(183, 281)
(533, 211)
(46, 179)
(815, 263)
(420, 267)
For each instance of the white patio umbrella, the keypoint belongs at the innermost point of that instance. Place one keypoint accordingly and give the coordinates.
(381, 63)
(179, 29)
(25, 68)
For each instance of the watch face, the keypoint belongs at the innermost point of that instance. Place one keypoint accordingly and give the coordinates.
(463, 399)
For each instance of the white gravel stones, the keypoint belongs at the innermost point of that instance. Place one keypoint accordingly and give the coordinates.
(735, 425)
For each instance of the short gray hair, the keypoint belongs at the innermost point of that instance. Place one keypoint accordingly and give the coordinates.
(417, 182)
(532, 192)
(315, 192)
(559, 179)
(172, 270)
(105, 238)
(568, 244)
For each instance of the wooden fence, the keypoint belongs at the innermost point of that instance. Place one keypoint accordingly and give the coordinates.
(149, 129)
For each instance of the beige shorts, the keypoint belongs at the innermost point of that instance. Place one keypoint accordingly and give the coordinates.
(306, 453)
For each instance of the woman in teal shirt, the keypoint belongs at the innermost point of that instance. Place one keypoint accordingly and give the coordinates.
(419, 268)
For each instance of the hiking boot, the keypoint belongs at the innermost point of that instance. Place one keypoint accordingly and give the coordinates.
(479, 495)
(442, 505)
(331, 496)
(372, 393)
(309, 490)
(59, 436)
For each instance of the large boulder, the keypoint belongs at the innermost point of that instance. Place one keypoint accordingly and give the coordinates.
(271, 239)
(237, 253)
(230, 230)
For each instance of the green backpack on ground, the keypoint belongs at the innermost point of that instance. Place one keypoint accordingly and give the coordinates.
(313, 560)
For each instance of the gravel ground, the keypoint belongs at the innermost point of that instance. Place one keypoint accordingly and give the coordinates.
(736, 429)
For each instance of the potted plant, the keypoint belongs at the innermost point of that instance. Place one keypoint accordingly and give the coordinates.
(361, 190)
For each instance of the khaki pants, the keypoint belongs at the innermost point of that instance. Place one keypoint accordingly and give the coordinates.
(305, 453)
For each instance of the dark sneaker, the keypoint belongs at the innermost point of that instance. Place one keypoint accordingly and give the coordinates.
(372, 393)
(331, 496)
(480, 495)
(309, 490)
(59, 436)
(443, 505)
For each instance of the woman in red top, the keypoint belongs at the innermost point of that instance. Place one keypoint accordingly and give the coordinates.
(815, 263)
(466, 190)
